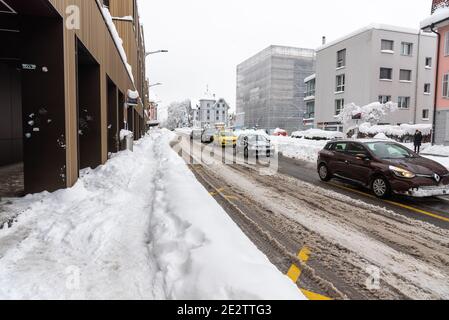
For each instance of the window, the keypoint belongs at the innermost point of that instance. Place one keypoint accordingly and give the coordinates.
(446, 86)
(446, 44)
(404, 102)
(341, 58)
(384, 99)
(426, 114)
(428, 62)
(340, 147)
(341, 80)
(310, 110)
(386, 74)
(387, 45)
(407, 49)
(310, 88)
(405, 75)
(356, 148)
(427, 88)
(339, 105)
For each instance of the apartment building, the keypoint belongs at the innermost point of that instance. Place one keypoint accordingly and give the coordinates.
(309, 100)
(67, 87)
(270, 87)
(377, 63)
(211, 112)
(439, 24)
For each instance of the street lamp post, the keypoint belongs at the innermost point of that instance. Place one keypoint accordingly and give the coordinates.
(155, 52)
(154, 85)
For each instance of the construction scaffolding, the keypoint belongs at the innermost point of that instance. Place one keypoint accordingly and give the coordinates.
(271, 88)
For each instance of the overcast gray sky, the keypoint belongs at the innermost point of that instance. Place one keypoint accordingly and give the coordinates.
(207, 39)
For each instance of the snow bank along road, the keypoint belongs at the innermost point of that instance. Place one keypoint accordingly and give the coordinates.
(348, 248)
(139, 227)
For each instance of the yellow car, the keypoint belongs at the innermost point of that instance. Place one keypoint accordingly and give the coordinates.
(225, 139)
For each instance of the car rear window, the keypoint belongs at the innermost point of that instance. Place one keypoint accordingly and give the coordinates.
(329, 146)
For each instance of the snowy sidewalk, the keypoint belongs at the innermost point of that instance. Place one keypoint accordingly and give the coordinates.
(139, 227)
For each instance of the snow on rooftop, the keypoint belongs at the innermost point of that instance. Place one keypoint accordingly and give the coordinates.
(118, 41)
(438, 16)
(373, 26)
(311, 77)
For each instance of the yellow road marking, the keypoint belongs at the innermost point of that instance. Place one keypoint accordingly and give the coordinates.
(397, 204)
(314, 296)
(231, 197)
(216, 192)
(294, 272)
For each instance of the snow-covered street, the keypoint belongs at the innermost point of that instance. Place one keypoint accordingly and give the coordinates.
(139, 227)
(353, 239)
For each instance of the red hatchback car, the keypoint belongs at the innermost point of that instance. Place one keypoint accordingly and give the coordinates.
(384, 167)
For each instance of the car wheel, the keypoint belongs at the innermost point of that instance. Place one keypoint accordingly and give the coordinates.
(324, 173)
(381, 187)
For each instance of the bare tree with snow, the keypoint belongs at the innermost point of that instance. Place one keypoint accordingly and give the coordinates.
(352, 115)
(178, 115)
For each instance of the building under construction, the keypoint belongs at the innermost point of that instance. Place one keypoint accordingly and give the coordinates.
(271, 88)
(64, 83)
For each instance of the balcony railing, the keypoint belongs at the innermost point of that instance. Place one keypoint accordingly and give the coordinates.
(436, 4)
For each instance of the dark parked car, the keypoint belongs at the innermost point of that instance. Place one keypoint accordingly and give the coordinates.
(208, 135)
(384, 167)
(254, 145)
(196, 134)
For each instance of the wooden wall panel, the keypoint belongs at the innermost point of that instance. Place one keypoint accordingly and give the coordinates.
(96, 37)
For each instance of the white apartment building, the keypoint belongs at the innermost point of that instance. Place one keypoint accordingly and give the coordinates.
(377, 63)
(210, 112)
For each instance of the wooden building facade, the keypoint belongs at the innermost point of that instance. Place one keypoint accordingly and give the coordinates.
(64, 86)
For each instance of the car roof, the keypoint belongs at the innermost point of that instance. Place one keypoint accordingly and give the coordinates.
(362, 141)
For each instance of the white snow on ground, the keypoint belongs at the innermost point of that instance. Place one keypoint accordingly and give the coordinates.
(397, 131)
(317, 133)
(302, 149)
(139, 227)
(186, 131)
(438, 150)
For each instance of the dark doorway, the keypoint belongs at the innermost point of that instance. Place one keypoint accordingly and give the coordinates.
(113, 131)
(136, 125)
(32, 115)
(11, 131)
(121, 111)
(89, 109)
(130, 118)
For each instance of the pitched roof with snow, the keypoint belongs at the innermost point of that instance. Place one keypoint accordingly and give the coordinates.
(440, 15)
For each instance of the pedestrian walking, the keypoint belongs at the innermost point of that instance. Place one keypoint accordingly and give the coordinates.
(418, 141)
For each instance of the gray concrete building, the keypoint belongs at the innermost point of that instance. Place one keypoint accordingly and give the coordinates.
(376, 63)
(270, 87)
